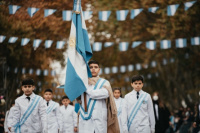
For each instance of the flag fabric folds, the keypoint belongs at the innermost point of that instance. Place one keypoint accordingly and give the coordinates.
(79, 53)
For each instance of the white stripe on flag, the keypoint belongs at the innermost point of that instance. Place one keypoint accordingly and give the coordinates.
(114, 69)
(107, 70)
(153, 64)
(130, 68)
(97, 46)
(171, 9)
(48, 43)
(189, 4)
(108, 44)
(122, 69)
(24, 41)
(67, 15)
(195, 41)
(12, 39)
(2, 38)
(60, 44)
(36, 43)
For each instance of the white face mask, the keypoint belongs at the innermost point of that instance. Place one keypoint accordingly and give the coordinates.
(155, 97)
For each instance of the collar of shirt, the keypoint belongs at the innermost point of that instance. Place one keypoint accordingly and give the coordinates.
(31, 96)
(117, 99)
(135, 92)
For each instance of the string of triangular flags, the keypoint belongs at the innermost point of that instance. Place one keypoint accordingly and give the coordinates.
(103, 15)
(97, 46)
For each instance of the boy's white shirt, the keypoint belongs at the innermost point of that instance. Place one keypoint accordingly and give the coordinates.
(98, 120)
(36, 122)
(6, 122)
(119, 103)
(54, 118)
(144, 119)
(69, 118)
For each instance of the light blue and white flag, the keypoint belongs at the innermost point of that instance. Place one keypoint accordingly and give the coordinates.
(38, 72)
(12, 39)
(122, 69)
(135, 12)
(153, 9)
(48, 43)
(23, 70)
(104, 15)
(165, 44)
(79, 53)
(31, 71)
(195, 41)
(149, 76)
(108, 44)
(114, 69)
(45, 72)
(87, 14)
(153, 64)
(24, 41)
(48, 12)
(138, 66)
(122, 14)
(123, 46)
(164, 61)
(67, 15)
(97, 46)
(53, 73)
(171, 9)
(130, 68)
(136, 43)
(60, 44)
(189, 4)
(32, 11)
(151, 45)
(107, 70)
(36, 43)
(15, 70)
(181, 42)
(172, 60)
(13, 9)
(156, 74)
(2, 38)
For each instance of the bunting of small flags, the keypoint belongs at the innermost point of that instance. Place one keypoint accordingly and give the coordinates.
(60, 44)
(67, 15)
(164, 61)
(97, 46)
(36, 43)
(114, 69)
(153, 64)
(104, 15)
(108, 44)
(138, 66)
(48, 43)
(2, 38)
(123, 46)
(32, 11)
(122, 14)
(151, 45)
(165, 44)
(38, 72)
(48, 12)
(153, 9)
(23, 70)
(45, 72)
(107, 70)
(171, 9)
(130, 68)
(13, 8)
(195, 41)
(136, 43)
(31, 71)
(122, 69)
(181, 43)
(12, 39)
(87, 14)
(189, 4)
(135, 12)
(24, 41)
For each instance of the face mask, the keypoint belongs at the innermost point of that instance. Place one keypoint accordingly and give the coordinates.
(155, 98)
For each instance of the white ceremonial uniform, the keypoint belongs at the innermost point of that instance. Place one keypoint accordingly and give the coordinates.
(119, 103)
(36, 122)
(144, 120)
(98, 121)
(9, 119)
(54, 117)
(69, 118)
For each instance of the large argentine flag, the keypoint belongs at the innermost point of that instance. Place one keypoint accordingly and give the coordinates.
(79, 52)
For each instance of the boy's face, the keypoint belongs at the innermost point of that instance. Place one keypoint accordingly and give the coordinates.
(65, 102)
(94, 68)
(137, 85)
(116, 94)
(28, 89)
(48, 96)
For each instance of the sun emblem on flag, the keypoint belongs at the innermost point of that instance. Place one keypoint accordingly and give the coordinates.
(72, 41)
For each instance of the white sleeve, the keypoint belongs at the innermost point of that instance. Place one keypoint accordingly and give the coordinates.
(98, 94)
(59, 118)
(75, 118)
(151, 114)
(14, 115)
(124, 115)
(43, 114)
(6, 121)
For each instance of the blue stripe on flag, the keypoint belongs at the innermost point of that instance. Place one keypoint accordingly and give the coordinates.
(195, 41)
(2, 38)
(48, 12)
(171, 9)
(153, 9)
(67, 15)
(135, 12)
(121, 15)
(13, 9)
(24, 41)
(32, 11)
(12, 39)
(188, 4)
(104, 15)
(136, 43)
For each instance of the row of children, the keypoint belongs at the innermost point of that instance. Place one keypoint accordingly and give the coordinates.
(100, 111)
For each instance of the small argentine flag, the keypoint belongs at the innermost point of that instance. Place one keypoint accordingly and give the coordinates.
(38, 72)
(181, 42)
(121, 15)
(106, 70)
(130, 68)
(60, 44)
(2, 38)
(165, 44)
(23, 70)
(31, 71)
(172, 60)
(36, 43)
(97, 46)
(189, 4)
(104, 15)
(114, 69)
(123, 46)
(87, 14)
(151, 45)
(53, 73)
(48, 43)
(153, 9)
(67, 15)
(15, 70)
(171, 9)
(122, 69)
(136, 43)
(135, 12)
(48, 12)
(153, 64)
(108, 44)
(138, 66)
(24, 41)
(13, 8)
(32, 11)
(164, 61)
(149, 76)
(45, 72)
(12, 39)
(195, 41)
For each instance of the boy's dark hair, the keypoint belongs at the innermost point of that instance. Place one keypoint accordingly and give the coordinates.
(137, 78)
(93, 62)
(28, 81)
(48, 90)
(117, 89)
(65, 97)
